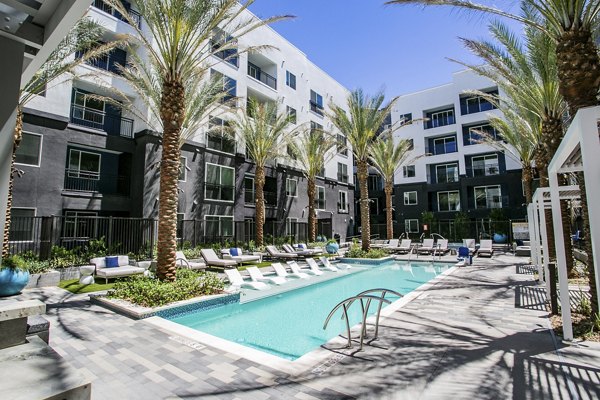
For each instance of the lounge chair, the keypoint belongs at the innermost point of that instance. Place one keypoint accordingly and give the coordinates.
(392, 245)
(257, 276)
(281, 271)
(312, 263)
(300, 253)
(182, 261)
(274, 253)
(470, 244)
(485, 248)
(304, 247)
(405, 246)
(378, 243)
(296, 268)
(236, 254)
(325, 261)
(122, 269)
(426, 247)
(237, 281)
(213, 260)
(441, 247)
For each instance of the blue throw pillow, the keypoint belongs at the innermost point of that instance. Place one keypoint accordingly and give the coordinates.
(234, 252)
(111, 262)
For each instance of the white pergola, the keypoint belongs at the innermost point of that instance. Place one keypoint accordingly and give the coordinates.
(578, 151)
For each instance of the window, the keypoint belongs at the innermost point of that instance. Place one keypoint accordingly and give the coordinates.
(21, 226)
(411, 144)
(291, 152)
(229, 86)
(292, 114)
(249, 194)
(315, 127)
(488, 197)
(410, 198)
(320, 202)
(321, 172)
(448, 201)
(83, 164)
(217, 137)
(446, 173)
(374, 206)
(374, 183)
(439, 118)
(342, 202)
(87, 108)
(316, 102)
(342, 144)
(405, 119)
(343, 172)
(485, 165)
(445, 145)
(411, 225)
(473, 134)
(290, 79)
(219, 182)
(80, 224)
(179, 232)
(224, 46)
(291, 187)
(291, 226)
(182, 169)
(475, 104)
(30, 150)
(217, 227)
(408, 171)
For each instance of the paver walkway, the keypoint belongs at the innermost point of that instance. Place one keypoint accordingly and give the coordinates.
(475, 335)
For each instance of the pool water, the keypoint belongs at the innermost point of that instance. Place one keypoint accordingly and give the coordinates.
(290, 324)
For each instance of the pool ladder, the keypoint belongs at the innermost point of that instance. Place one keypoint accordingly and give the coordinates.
(368, 295)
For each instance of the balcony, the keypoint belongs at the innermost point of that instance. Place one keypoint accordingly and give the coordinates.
(270, 197)
(109, 62)
(257, 73)
(112, 124)
(483, 169)
(214, 191)
(490, 202)
(447, 177)
(476, 104)
(101, 5)
(96, 182)
(439, 118)
(316, 108)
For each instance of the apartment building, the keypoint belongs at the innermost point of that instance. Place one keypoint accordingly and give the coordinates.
(82, 157)
(455, 171)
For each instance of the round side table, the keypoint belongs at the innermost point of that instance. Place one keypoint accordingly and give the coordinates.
(87, 277)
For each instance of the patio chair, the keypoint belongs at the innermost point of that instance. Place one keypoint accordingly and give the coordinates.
(392, 246)
(485, 248)
(441, 247)
(325, 261)
(470, 244)
(378, 243)
(314, 250)
(405, 246)
(236, 254)
(281, 271)
(274, 253)
(237, 281)
(296, 268)
(426, 247)
(300, 253)
(212, 260)
(312, 263)
(182, 261)
(257, 276)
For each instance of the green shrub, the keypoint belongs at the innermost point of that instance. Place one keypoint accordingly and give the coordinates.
(150, 292)
(37, 267)
(25, 264)
(356, 251)
(584, 307)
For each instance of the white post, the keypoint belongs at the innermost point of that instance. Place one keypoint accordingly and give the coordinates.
(534, 238)
(544, 237)
(561, 257)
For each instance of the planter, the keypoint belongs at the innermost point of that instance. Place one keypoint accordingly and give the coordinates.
(500, 238)
(50, 278)
(12, 281)
(332, 248)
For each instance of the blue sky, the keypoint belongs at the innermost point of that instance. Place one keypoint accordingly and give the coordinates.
(362, 43)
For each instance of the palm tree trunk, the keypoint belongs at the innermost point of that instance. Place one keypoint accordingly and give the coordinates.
(365, 222)
(259, 185)
(312, 220)
(172, 111)
(389, 218)
(527, 180)
(18, 136)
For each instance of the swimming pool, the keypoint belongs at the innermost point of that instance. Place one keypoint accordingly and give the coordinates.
(290, 324)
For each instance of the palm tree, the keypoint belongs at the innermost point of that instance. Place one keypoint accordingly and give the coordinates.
(84, 39)
(173, 83)
(265, 133)
(387, 157)
(312, 150)
(365, 119)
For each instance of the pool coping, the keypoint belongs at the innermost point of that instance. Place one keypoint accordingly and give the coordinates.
(317, 359)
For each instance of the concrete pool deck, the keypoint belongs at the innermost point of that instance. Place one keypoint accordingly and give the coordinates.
(476, 334)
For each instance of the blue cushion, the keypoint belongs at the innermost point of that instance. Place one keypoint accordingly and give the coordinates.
(111, 262)
(234, 251)
(463, 252)
(302, 246)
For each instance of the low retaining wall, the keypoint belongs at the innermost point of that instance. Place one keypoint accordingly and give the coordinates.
(51, 278)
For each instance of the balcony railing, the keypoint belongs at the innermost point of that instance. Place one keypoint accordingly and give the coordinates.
(316, 108)
(270, 197)
(101, 5)
(446, 177)
(95, 182)
(445, 148)
(214, 191)
(108, 62)
(438, 121)
(490, 201)
(260, 75)
(342, 178)
(111, 124)
(484, 169)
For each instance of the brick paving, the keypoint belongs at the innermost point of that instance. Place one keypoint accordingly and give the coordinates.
(474, 335)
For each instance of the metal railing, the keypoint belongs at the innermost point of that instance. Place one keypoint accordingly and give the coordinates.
(445, 177)
(96, 119)
(435, 122)
(270, 197)
(481, 169)
(91, 181)
(257, 73)
(101, 5)
(316, 108)
(214, 191)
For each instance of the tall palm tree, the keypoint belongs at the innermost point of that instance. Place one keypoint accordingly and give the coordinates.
(387, 157)
(365, 118)
(172, 83)
(312, 150)
(265, 133)
(84, 39)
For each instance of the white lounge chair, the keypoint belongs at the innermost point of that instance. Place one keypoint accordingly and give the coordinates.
(470, 244)
(213, 260)
(237, 281)
(304, 247)
(182, 261)
(441, 247)
(392, 245)
(328, 264)
(236, 254)
(257, 276)
(300, 253)
(281, 271)
(312, 263)
(274, 253)
(296, 268)
(405, 246)
(426, 247)
(485, 248)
